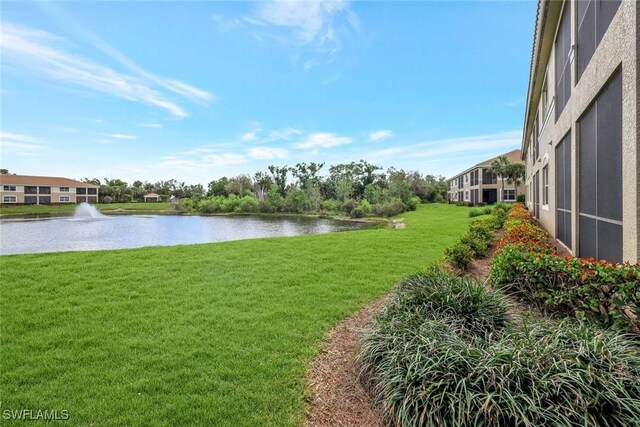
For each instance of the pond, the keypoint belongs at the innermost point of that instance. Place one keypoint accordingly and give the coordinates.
(83, 233)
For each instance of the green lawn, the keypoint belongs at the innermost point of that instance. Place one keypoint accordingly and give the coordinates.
(212, 334)
(62, 209)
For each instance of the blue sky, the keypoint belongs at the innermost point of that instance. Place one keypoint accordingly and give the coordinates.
(198, 90)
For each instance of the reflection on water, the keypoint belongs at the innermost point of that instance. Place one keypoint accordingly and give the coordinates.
(133, 231)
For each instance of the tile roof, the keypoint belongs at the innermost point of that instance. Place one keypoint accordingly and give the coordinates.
(44, 181)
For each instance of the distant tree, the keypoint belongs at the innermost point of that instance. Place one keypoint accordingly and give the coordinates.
(240, 185)
(261, 184)
(4, 171)
(515, 173)
(498, 168)
(279, 175)
(217, 188)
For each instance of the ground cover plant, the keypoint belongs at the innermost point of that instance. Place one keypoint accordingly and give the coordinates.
(212, 334)
(527, 266)
(446, 352)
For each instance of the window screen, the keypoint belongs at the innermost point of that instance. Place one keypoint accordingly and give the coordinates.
(594, 17)
(562, 51)
(600, 175)
(563, 190)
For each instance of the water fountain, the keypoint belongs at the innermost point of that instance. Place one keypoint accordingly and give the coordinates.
(87, 212)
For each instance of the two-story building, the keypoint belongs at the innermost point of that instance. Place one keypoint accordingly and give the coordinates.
(581, 129)
(479, 185)
(45, 190)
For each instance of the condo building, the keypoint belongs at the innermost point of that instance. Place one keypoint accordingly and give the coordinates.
(478, 184)
(45, 190)
(580, 140)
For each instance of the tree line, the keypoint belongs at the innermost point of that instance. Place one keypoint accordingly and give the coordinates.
(356, 188)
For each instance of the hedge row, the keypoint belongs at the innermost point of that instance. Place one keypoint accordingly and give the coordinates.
(475, 243)
(527, 265)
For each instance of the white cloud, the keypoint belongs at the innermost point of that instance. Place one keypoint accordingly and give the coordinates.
(120, 136)
(283, 134)
(323, 140)
(318, 25)
(13, 144)
(250, 136)
(267, 153)
(151, 125)
(380, 134)
(44, 53)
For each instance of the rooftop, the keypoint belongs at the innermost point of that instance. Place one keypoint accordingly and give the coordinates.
(514, 156)
(44, 181)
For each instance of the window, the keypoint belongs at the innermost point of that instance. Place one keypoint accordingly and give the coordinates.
(81, 199)
(65, 199)
(81, 191)
(9, 199)
(44, 190)
(30, 189)
(563, 190)
(92, 191)
(544, 98)
(44, 200)
(600, 175)
(594, 17)
(466, 195)
(545, 185)
(475, 177)
(562, 57)
(509, 196)
(9, 188)
(30, 200)
(64, 189)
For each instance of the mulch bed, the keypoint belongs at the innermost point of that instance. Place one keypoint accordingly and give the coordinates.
(336, 397)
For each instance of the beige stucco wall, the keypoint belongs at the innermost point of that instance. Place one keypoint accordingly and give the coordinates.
(618, 48)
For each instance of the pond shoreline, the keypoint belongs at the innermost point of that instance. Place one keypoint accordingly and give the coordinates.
(120, 211)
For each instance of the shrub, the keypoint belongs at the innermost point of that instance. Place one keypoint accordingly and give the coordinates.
(527, 266)
(211, 205)
(366, 206)
(438, 294)
(459, 255)
(521, 198)
(412, 203)
(349, 205)
(297, 201)
(248, 204)
(357, 212)
(477, 212)
(330, 205)
(230, 204)
(444, 352)
(107, 199)
(393, 206)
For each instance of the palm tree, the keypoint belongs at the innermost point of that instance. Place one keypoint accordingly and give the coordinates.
(499, 169)
(515, 173)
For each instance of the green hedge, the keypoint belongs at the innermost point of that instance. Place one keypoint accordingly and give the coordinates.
(526, 265)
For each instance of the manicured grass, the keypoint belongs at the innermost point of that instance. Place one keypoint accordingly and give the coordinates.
(212, 334)
(62, 209)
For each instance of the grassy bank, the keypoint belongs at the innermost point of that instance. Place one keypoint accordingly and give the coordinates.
(213, 334)
(67, 209)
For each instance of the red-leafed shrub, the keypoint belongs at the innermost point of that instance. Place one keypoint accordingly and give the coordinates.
(527, 265)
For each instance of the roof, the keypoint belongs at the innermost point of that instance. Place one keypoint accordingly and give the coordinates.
(547, 17)
(514, 156)
(152, 195)
(44, 180)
